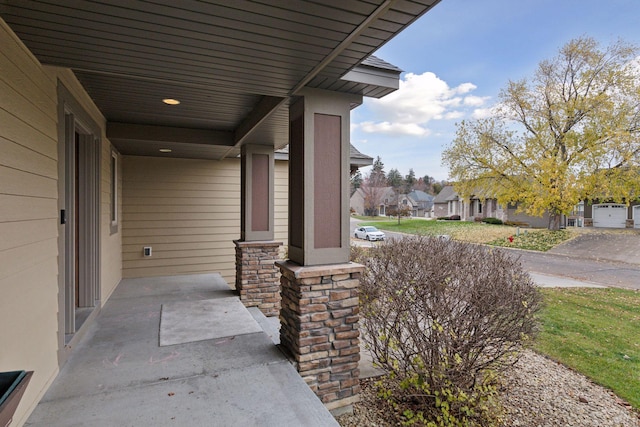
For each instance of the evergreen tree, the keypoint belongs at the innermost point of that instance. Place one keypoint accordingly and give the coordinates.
(409, 181)
(394, 179)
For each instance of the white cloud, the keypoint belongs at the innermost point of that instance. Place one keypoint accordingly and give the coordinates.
(394, 128)
(420, 99)
(475, 101)
(482, 113)
(465, 88)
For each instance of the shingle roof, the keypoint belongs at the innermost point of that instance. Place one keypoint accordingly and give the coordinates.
(447, 193)
(420, 196)
(356, 158)
(374, 61)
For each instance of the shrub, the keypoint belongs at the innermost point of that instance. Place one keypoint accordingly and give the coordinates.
(454, 218)
(490, 220)
(443, 318)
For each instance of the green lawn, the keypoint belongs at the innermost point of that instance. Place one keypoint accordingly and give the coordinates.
(476, 232)
(596, 332)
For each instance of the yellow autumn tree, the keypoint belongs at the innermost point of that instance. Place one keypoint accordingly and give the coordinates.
(570, 132)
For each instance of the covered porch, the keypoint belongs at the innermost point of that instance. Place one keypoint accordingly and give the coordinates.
(143, 140)
(179, 350)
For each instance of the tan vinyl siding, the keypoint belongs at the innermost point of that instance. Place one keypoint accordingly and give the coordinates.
(111, 243)
(28, 219)
(188, 211)
(281, 205)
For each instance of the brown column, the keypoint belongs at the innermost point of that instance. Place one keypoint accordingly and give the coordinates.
(319, 315)
(257, 277)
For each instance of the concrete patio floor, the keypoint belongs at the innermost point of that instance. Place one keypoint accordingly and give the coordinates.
(234, 374)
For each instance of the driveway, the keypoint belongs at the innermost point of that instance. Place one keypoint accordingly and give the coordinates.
(607, 245)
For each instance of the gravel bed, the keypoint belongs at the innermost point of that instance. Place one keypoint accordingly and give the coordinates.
(536, 392)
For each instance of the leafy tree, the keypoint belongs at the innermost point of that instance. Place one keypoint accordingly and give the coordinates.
(436, 187)
(373, 188)
(569, 133)
(420, 185)
(394, 179)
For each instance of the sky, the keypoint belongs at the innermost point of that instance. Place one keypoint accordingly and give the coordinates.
(458, 56)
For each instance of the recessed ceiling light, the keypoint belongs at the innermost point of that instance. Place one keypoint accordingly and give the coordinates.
(165, 150)
(171, 101)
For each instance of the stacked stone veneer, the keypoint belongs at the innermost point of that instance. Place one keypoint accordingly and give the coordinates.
(319, 327)
(257, 276)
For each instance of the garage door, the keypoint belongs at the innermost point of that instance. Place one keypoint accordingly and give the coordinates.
(636, 216)
(609, 215)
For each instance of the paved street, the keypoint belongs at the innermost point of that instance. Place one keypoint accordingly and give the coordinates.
(609, 259)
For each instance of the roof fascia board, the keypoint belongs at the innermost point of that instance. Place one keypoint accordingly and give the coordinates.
(374, 77)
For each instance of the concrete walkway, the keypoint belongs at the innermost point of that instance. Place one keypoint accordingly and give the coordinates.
(222, 373)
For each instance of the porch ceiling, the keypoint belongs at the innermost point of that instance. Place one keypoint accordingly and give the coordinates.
(232, 65)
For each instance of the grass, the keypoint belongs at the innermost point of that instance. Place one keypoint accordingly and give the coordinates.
(474, 232)
(595, 332)
(541, 240)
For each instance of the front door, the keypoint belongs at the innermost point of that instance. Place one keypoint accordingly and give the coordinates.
(80, 218)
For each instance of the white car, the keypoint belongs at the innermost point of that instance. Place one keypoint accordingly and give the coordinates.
(369, 233)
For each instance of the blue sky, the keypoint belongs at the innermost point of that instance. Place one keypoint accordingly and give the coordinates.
(456, 59)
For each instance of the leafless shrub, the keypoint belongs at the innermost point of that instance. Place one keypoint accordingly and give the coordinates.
(443, 316)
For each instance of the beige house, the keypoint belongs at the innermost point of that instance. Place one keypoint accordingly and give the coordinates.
(139, 141)
(448, 203)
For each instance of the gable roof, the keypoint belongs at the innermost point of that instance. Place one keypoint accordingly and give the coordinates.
(420, 196)
(445, 195)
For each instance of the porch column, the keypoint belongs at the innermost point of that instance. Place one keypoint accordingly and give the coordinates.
(257, 277)
(319, 315)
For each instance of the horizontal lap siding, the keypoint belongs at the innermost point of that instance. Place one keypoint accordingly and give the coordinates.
(281, 205)
(28, 218)
(111, 243)
(188, 211)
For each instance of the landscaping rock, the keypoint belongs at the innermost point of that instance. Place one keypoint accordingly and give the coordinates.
(537, 392)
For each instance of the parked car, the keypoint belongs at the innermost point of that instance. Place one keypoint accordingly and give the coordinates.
(369, 233)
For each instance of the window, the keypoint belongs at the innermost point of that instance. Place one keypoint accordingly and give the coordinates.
(479, 207)
(114, 192)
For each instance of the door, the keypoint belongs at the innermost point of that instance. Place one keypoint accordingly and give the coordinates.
(609, 215)
(636, 216)
(81, 210)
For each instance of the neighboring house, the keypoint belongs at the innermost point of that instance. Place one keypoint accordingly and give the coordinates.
(585, 214)
(384, 199)
(602, 214)
(418, 203)
(422, 203)
(123, 128)
(448, 203)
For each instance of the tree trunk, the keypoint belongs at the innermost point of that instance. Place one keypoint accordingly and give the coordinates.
(554, 221)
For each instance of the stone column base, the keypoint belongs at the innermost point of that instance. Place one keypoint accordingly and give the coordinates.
(257, 277)
(319, 327)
